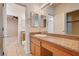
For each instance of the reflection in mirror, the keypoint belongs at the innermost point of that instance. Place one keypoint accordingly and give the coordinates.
(43, 21)
(38, 22)
(35, 20)
(73, 23)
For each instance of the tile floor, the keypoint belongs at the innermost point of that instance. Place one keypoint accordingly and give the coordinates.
(12, 48)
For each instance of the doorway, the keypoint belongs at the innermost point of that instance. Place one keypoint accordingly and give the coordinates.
(50, 24)
(12, 26)
(13, 16)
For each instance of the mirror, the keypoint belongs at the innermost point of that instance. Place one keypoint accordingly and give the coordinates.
(38, 20)
(43, 21)
(35, 20)
(72, 24)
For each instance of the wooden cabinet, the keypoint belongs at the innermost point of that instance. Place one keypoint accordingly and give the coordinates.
(56, 50)
(35, 47)
(45, 52)
(41, 47)
(32, 48)
(37, 50)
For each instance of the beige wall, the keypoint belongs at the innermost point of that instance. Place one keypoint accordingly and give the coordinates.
(59, 23)
(59, 13)
(59, 16)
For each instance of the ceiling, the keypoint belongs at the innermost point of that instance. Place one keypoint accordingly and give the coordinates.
(41, 5)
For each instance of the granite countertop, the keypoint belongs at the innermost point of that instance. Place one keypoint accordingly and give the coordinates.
(64, 42)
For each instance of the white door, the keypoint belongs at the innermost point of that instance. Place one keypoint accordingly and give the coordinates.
(50, 24)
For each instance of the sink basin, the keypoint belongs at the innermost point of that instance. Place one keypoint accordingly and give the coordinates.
(40, 35)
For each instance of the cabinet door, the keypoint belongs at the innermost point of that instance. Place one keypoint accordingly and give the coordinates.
(37, 50)
(32, 46)
(57, 52)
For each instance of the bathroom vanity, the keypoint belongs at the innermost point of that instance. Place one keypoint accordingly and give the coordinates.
(46, 44)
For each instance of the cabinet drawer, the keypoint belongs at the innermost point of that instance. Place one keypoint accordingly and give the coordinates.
(57, 52)
(35, 41)
(55, 49)
(47, 46)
